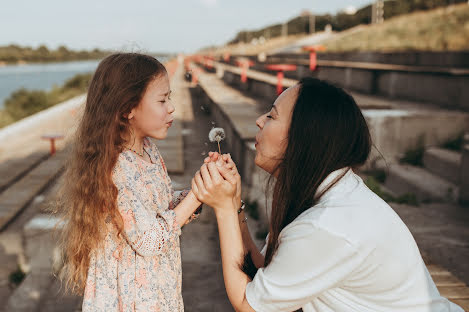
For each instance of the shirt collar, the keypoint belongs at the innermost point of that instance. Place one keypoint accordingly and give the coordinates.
(327, 188)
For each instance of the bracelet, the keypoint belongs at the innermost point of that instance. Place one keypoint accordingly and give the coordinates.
(243, 205)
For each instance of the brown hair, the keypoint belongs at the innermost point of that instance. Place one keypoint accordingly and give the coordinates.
(88, 196)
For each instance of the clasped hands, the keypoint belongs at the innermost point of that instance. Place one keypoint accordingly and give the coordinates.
(218, 183)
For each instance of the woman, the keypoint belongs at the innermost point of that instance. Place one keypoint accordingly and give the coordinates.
(333, 245)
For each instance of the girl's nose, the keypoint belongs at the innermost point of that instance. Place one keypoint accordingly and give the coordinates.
(171, 108)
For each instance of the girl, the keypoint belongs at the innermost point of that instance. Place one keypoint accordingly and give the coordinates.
(121, 238)
(333, 245)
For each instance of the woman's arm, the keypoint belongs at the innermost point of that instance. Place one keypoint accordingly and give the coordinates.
(212, 189)
(232, 256)
(249, 245)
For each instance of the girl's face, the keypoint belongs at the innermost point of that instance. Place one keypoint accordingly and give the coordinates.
(271, 140)
(153, 115)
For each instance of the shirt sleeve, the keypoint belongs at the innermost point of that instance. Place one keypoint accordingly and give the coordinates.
(146, 231)
(309, 261)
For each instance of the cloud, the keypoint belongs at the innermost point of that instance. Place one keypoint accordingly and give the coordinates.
(209, 3)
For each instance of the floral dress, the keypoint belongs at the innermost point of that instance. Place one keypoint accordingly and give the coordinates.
(141, 271)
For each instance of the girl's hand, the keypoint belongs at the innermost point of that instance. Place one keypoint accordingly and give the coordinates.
(215, 186)
(230, 165)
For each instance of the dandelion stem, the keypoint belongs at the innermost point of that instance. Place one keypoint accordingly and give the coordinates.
(219, 150)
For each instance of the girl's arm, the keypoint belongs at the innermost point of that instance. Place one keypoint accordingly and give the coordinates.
(178, 196)
(186, 208)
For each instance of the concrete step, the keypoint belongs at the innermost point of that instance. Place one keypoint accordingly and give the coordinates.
(402, 179)
(16, 197)
(444, 163)
(12, 170)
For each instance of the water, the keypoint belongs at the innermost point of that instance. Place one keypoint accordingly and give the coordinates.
(39, 76)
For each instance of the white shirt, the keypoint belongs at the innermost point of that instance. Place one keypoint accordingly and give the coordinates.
(350, 252)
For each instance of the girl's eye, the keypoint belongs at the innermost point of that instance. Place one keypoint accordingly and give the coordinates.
(268, 116)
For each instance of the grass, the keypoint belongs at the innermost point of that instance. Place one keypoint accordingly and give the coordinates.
(252, 209)
(262, 233)
(454, 144)
(16, 277)
(414, 156)
(442, 29)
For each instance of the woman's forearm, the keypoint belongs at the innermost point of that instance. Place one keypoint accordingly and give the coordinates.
(231, 246)
(186, 208)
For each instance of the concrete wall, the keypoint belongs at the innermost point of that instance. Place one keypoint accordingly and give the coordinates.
(439, 59)
(24, 137)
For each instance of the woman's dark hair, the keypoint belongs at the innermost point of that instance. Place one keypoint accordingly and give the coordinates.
(327, 132)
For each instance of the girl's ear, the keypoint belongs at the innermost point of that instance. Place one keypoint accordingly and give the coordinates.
(129, 115)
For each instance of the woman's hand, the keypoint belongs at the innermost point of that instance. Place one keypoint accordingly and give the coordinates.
(215, 186)
(230, 165)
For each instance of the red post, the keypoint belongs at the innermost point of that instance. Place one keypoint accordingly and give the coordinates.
(280, 68)
(279, 82)
(195, 79)
(52, 146)
(244, 72)
(312, 60)
(244, 64)
(52, 138)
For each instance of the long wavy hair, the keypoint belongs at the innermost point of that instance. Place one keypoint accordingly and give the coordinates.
(88, 197)
(327, 132)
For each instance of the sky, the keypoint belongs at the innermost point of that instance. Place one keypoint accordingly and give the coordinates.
(144, 25)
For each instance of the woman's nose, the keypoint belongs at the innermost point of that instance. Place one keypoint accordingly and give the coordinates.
(259, 122)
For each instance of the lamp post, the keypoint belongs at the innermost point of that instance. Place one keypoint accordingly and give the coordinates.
(377, 13)
(312, 22)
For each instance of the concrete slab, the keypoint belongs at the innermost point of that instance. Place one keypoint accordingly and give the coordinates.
(443, 163)
(402, 179)
(18, 195)
(12, 170)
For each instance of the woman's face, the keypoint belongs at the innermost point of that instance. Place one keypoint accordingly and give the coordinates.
(153, 116)
(271, 140)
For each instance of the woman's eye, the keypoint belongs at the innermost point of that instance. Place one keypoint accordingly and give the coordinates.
(268, 116)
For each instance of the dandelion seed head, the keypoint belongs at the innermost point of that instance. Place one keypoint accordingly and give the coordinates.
(216, 135)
